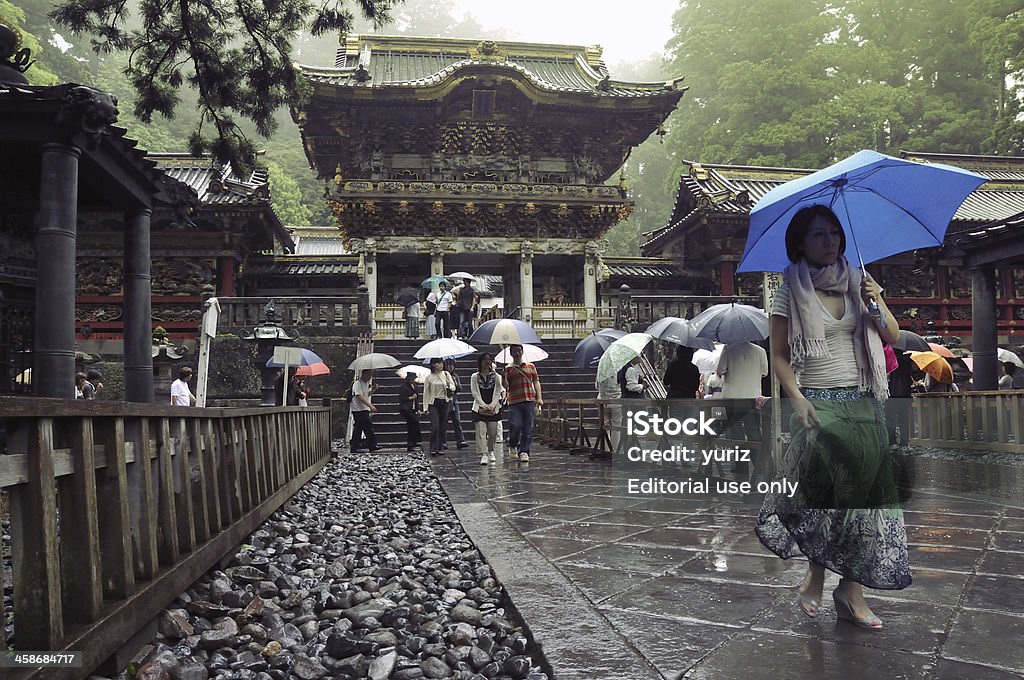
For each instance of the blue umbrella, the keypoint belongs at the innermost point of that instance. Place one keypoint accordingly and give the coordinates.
(434, 281)
(886, 206)
(504, 332)
(308, 359)
(589, 350)
(679, 332)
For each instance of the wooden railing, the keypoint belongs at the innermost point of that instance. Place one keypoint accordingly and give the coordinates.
(983, 421)
(117, 508)
(646, 309)
(325, 313)
(569, 321)
(550, 321)
(572, 424)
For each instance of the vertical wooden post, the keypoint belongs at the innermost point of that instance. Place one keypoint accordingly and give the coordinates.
(212, 456)
(142, 499)
(198, 497)
(112, 495)
(80, 541)
(182, 475)
(167, 529)
(38, 608)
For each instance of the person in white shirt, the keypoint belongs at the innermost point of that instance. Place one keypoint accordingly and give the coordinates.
(412, 321)
(488, 389)
(431, 305)
(181, 395)
(362, 406)
(443, 313)
(635, 386)
(742, 365)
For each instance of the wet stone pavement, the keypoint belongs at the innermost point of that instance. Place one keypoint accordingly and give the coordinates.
(630, 587)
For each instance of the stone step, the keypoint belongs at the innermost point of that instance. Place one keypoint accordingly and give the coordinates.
(559, 380)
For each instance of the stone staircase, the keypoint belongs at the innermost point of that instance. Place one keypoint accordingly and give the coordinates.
(558, 379)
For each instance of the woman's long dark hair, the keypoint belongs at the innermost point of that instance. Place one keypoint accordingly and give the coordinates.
(798, 227)
(480, 361)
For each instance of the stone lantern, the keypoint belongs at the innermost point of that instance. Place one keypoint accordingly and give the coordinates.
(267, 335)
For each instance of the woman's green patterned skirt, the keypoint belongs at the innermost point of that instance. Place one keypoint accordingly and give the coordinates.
(845, 512)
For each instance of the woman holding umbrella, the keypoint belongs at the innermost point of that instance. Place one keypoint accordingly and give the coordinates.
(827, 354)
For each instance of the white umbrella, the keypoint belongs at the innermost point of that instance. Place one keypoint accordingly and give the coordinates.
(620, 353)
(707, 360)
(444, 348)
(459, 276)
(531, 353)
(1005, 356)
(731, 323)
(373, 361)
(421, 372)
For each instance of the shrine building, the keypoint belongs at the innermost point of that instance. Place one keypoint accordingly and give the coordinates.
(929, 290)
(481, 156)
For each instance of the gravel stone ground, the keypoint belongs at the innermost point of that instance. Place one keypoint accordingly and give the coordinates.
(365, 573)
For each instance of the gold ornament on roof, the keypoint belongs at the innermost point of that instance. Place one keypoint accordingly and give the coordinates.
(487, 50)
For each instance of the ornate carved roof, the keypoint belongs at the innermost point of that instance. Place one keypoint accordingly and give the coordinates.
(725, 192)
(219, 187)
(74, 114)
(396, 62)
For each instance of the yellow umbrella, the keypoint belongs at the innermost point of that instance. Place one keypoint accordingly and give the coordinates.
(934, 365)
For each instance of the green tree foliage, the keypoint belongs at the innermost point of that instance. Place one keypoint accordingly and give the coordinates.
(804, 82)
(651, 172)
(287, 197)
(39, 73)
(236, 56)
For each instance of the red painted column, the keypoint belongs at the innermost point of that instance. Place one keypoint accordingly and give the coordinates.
(227, 277)
(726, 271)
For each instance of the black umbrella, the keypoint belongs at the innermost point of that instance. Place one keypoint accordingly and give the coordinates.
(961, 372)
(911, 342)
(407, 296)
(589, 350)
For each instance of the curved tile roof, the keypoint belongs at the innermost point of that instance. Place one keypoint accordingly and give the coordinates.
(722, 189)
(377, 62)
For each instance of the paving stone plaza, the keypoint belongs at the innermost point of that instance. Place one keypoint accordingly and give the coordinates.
(614, 586)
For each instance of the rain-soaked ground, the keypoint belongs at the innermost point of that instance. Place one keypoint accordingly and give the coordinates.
(630, 587)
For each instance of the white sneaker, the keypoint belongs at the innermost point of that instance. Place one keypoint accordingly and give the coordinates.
(524, 457)
(490, 454)
(483, 459)
(513, 453)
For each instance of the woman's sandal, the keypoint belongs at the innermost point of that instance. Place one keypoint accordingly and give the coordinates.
(845, 611)
(808, 605)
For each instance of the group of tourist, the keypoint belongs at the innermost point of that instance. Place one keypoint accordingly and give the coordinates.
(450, 313)
(88, 385)
(515, 388)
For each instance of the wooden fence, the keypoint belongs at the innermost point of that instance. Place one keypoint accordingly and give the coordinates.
(983, 421)
(117, 508)
(323, 314)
